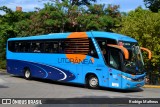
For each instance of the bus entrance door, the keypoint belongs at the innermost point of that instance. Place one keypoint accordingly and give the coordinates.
(114, 78)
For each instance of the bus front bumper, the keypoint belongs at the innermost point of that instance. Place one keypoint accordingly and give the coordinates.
(132, 84)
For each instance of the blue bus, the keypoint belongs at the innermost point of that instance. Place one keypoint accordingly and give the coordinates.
(91, 58)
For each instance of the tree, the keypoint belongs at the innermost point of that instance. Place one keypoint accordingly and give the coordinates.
(144, 26)
(99, 17)
(81, 2)
(153, 5)
(8, 29)
(74, 2)
(64, 17)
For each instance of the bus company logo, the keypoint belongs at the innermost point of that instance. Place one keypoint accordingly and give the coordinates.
(76, 60)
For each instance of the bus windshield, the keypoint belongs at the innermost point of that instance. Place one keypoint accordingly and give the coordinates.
(135, 62)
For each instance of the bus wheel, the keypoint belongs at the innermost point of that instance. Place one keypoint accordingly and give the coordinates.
(27, 74)
(92, 82)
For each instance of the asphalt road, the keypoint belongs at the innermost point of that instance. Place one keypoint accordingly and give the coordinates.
(17, 87)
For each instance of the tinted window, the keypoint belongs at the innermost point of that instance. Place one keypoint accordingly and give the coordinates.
(83, 46)
(35, 46)
(92, 50)
(27, 46)
(77, 46)
(102, 42)
(11, 46)
(80, 46)
(114, 59)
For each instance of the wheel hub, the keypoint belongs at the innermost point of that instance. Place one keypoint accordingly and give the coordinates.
(27, 74)
(93, 82)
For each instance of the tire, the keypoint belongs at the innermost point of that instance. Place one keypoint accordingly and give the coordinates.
(92, 82)
(27, 74)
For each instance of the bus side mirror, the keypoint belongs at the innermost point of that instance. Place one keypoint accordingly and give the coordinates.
(123, 49)
(148, 51)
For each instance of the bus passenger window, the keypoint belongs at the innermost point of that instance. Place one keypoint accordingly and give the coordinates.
(37, 50)
(27, 46)
(11, 46)
(17, 47)
(21, 47)
(61, 47)
(48, 47)
(92, 50)
(37, 47)
(55, 47)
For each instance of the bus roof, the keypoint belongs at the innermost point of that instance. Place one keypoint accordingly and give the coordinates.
(89, 34)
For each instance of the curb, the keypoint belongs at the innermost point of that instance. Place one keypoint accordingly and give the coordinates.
(151, 86)
(2, 70)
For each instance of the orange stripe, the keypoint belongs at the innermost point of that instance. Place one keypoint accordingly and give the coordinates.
(78, 35)
(73, 38)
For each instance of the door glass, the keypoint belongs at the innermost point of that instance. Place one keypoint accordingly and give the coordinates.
(114, 59)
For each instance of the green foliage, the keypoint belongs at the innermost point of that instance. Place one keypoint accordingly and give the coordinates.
(63, 17)
(140, 24)
(144, 26)
(81, 2)
(153, 5)
(9, 28)
(6, 9)
(3, 64)
(75, 2)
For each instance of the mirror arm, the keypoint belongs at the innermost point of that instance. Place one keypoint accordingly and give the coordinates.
(148, 51)
(125, 51)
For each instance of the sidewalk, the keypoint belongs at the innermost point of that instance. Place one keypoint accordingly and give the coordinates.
(151, 86)
(2, 70)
